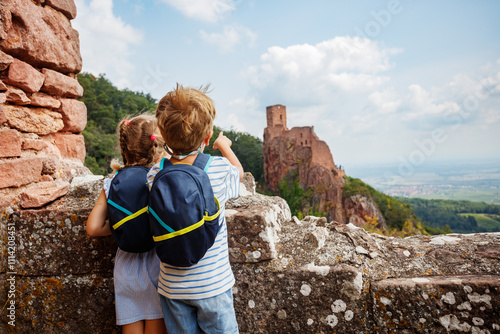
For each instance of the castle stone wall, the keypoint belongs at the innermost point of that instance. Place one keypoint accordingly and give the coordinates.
(41, 120)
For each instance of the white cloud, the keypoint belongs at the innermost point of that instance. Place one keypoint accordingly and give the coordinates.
(464, 99)
(231, 35)
(203, 10)
(237, 116)
(385, 101)
(423, 104)
(315, 71)
(105, 40)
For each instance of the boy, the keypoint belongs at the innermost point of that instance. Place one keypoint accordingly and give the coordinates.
(199, 298)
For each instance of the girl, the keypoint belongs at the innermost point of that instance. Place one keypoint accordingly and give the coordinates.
(137, 302)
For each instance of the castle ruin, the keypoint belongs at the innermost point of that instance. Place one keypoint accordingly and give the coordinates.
(300, 151)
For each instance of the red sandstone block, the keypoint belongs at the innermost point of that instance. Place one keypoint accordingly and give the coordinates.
(18, 172)
(61, 85)
(44, 100)
(74, 114)
(3, 118)
(67, 7)
(16, 96)
(10, 143)
(41, 193)
(70, 145)
(5, 60)
(24, 76)
(34, 144)
(42, 36)
(33, 120)
(7, 200)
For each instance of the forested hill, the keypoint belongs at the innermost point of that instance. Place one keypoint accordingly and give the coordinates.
(108, 105)
(460, 216)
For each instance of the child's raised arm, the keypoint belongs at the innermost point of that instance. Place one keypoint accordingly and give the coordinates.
(223, 144)
(97, 224)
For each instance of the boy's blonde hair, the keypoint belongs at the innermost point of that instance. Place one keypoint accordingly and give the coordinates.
(185, 118)
(139, 140)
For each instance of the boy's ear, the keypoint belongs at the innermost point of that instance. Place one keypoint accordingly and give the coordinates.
(207, 139)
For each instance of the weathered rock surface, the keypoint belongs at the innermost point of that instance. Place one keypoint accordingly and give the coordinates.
(67, 7)
(24, 76)
(18, 172)
(359, 209)
(3, 118)
(15, 95)
(10, 143)
(40, 36)
(59, 84)
(74, 115)
(39, 194)
(70, 145)
(36, 120)
(309, 276)
(43, 100)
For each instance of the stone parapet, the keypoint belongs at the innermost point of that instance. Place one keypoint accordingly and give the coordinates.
(309, 276)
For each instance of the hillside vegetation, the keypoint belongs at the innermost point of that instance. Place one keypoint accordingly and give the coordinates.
(400, 219)
(460, 216)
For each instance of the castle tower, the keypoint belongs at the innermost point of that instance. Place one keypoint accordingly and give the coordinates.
(276, 116)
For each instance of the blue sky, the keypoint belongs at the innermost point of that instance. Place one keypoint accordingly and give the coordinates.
(397, 81)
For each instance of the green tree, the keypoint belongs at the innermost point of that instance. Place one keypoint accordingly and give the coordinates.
(439, 213)
(247, 148)
(106, 107)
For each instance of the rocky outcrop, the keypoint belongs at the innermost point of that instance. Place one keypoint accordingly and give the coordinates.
(360, 210)
(309, 276)
(41, 146)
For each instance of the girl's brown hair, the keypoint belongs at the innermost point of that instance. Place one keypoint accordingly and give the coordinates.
(139, 140)
(185, 117)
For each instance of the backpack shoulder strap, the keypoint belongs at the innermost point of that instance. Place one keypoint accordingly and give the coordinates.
(203, 161)
(165, 163)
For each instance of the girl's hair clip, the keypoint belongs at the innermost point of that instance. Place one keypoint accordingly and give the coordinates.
(153, 137)
(126, 121)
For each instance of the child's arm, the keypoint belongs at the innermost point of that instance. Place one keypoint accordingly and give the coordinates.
(97, 224)
(224, 145)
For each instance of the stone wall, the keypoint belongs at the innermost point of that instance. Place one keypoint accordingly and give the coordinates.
(41, 146)
(309, 276)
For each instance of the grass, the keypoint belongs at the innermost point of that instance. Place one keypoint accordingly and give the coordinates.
(486, 221)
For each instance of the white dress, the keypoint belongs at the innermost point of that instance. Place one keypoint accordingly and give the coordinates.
(136, 283)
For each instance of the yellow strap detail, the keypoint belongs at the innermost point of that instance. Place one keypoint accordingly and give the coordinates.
(180, 232)
(189, 228)
(210, 218)
(126, 219)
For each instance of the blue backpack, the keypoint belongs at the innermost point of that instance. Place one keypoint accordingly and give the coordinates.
(184, 213)
(127, 210)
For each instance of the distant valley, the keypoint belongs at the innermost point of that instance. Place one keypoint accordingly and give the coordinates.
(471, 181)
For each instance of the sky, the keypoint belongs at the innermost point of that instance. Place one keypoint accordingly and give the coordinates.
(403, 82)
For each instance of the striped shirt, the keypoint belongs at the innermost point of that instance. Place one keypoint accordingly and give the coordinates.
(212, 275)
